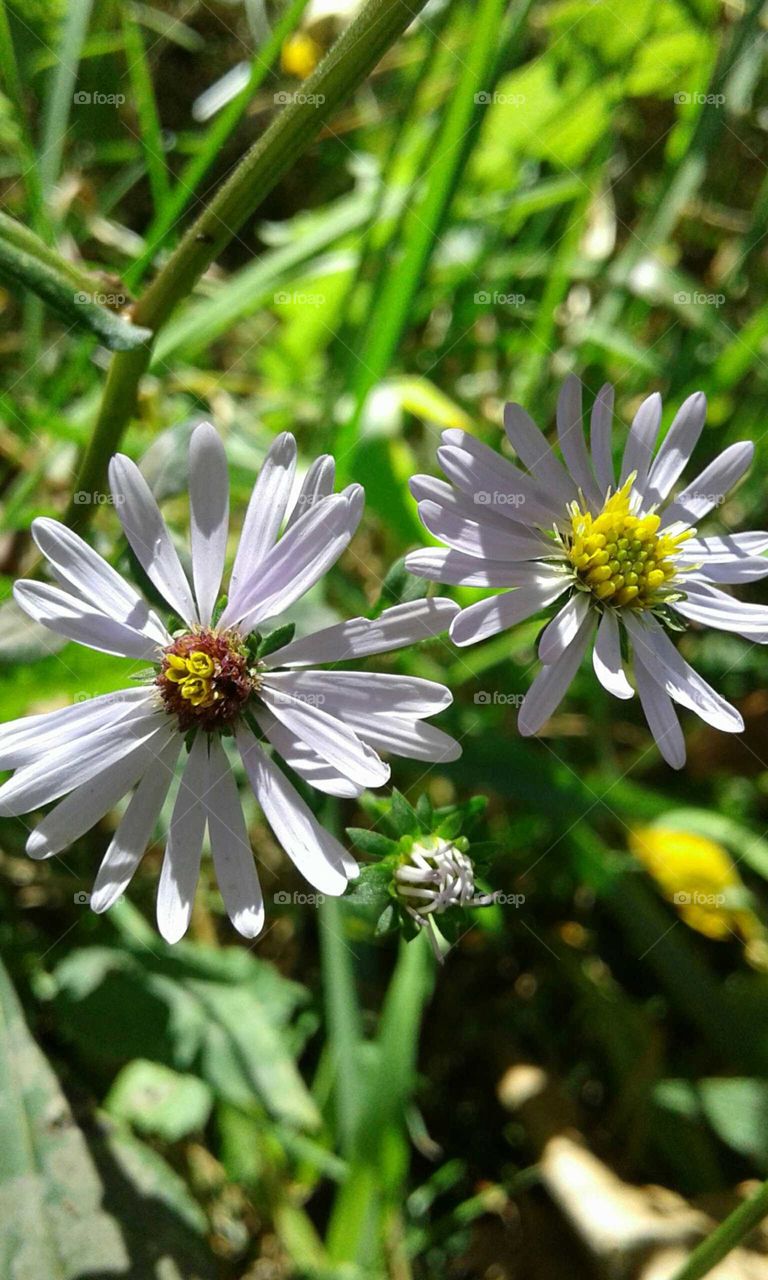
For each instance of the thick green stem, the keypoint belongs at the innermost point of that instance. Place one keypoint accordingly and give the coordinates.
(725, 1237)
(346, 66)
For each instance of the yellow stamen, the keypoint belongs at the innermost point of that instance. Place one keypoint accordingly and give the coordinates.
(621, 557)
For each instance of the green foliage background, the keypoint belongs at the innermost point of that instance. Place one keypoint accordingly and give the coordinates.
(519, 191)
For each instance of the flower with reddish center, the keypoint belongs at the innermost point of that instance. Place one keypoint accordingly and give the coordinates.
(216, 685)
(205, 679)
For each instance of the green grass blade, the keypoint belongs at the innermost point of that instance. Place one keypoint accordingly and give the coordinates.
(61, 91)
(146, 108)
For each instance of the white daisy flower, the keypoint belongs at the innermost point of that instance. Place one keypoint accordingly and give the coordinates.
(209, 683)
(627, 559)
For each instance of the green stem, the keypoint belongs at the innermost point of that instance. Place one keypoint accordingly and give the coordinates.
(725, 1237)
(349, 62)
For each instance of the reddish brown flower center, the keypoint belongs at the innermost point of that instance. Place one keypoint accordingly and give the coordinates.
(205, 679)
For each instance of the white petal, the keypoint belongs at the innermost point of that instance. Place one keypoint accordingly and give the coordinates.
(711, 487)
(493, 482)
(641, 441)
(570, 433)
(208, 515)
(487, 617)
(303, 554)
(231, 848)
(32, 736)
(606, 658)
(402, 624)
(135, 830)
(266, 510)
(405, 736)
(677, 447)
(485, 541)
(724, 548)
(563, 628)
(181, 861)
(531, 447)
(79, 621)
(452, 567)
(463, 505)
(552, 682)
(661, 716)
(314, 851)
(738, 569)
(669, 669)
(340, 692)
(714, 608)
(73, 763)
(95, 580)
(86, 806)
(317, 483)
(148, 534)
(600, 437)
(329, 737)
(304, 761)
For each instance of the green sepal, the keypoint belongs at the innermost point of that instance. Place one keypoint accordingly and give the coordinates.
(402, 818)
(400, 587)
(372, 843)
(218, 609)
(276, 639)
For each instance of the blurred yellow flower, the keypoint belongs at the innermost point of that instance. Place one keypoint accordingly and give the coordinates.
(300, 55)
(699, 877)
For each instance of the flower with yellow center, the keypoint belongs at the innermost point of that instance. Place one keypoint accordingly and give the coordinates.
(609, 542)
(620, 556)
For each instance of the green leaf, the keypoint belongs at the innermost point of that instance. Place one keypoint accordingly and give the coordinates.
(79, 306)
(402, 817)
(276, 639)
(155, 1100)
(370, 892)
(53, 1193)
(229, 1025)
(371, 842)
